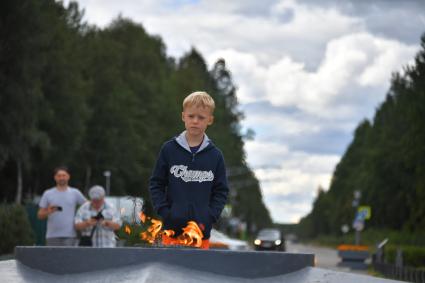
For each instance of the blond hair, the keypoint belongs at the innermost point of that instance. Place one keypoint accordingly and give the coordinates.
(199, 98)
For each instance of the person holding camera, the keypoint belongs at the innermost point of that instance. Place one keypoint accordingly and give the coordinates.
(97, 220)
(58, 206)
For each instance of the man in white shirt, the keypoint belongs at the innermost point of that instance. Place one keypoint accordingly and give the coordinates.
(58, 205)
(98, 219)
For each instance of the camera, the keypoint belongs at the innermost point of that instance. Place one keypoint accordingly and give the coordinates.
(99, 216)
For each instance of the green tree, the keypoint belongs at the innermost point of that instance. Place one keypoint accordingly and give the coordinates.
(21, 63)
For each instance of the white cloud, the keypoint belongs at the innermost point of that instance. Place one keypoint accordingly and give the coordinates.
(387, 59)
(298, 171)
(299, 124)
(287, 211)
(315, 23)
(246, 71)
(271, 153)
(351, 62)
(292, 184)
(220, 25)
(280, 124)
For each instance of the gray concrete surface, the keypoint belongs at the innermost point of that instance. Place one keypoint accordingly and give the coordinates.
(75, 264)
(12, 271)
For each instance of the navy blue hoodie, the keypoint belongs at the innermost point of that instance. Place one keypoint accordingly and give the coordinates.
(189, 186)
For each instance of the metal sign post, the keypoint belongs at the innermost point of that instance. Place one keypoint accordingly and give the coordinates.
(107, 174)
(363, 213)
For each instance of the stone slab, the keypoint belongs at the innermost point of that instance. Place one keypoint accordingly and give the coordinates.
(243, 264)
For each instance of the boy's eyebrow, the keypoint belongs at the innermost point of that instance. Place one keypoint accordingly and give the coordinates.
(200, 116)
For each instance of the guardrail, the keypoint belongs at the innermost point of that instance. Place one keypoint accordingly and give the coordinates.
(396, 271)
(404, 273)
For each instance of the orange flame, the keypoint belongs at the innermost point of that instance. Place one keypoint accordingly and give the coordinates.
(169, 233)
(152, 233)
(191, 236)
(127, 229)
(142, 216)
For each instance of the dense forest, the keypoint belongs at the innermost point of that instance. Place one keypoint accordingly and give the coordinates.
(385, 162)
(104, 99)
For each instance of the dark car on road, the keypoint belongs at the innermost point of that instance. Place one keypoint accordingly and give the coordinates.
(270, 239)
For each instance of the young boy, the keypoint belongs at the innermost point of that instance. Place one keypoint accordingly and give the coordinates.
(189, 180)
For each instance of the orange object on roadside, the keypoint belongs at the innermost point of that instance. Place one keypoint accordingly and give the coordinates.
(352, 248)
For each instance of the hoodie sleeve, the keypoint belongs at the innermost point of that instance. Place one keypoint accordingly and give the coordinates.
(158, 184)
(220, 191)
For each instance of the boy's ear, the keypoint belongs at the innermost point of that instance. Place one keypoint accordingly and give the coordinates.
(211, 121)
(183, 116)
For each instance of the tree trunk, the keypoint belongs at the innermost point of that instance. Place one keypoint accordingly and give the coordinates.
(88, 177)
(18, 199)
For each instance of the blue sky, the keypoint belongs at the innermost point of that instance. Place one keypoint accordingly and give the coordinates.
(308, 72)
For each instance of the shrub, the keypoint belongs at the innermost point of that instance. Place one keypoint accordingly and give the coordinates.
(413, 256)
(15, 228)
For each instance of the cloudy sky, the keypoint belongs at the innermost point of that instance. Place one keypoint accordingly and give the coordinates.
(307, 73)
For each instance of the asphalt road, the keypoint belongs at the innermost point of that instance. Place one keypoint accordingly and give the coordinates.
(324, 257)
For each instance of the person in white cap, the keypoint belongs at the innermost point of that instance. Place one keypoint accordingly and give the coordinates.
(98, 219)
